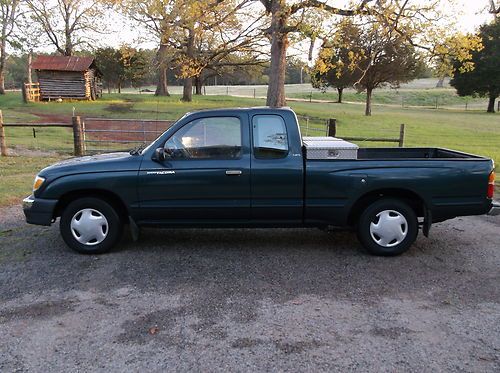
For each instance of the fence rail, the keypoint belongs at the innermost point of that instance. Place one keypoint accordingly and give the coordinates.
(75, 124)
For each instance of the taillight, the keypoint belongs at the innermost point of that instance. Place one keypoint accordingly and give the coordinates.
(491, 185)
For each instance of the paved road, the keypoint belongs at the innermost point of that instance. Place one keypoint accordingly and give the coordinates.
(244, 300)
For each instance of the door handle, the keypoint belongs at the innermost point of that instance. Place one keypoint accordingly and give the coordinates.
(233, 172)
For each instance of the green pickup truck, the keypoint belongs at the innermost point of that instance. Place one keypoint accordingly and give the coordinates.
(251, 168)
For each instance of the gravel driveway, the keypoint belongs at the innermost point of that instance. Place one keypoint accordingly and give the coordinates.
(250, 300)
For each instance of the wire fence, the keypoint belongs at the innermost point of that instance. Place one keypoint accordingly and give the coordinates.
(105, 134)
(407, 97)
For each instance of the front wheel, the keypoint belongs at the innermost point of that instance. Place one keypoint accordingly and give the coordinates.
(90, 226)
(388, 227)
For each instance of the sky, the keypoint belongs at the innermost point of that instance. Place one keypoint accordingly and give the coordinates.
(470, 15)
(474, 13)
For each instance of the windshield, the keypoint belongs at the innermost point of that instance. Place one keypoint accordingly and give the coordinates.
(139, 150)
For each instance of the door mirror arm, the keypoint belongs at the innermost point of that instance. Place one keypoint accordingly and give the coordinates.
(159, 155)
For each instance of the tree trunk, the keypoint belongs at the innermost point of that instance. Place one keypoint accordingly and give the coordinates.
(162, 86)
(120, 87)
(440, 83)
(340, 91)
(68, 43)
(3, 58)
(197, 85)
(187, 93)
(28, 72)
(109, 88)
(2, 81)
(491, 104)
(279, 45)
(368, 109)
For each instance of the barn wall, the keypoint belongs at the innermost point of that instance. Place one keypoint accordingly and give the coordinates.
(62, 84)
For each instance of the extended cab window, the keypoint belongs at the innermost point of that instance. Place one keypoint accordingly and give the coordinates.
(207, 138)
(269, 137)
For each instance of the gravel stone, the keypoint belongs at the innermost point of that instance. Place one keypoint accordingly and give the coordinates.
(250, 300)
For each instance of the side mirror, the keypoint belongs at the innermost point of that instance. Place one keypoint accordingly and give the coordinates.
(159, 155)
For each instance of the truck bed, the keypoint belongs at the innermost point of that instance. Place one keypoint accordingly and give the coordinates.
(413, 153)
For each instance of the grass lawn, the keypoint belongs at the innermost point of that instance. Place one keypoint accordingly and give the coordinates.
(17, 175)
(472, 131)
(442, 97)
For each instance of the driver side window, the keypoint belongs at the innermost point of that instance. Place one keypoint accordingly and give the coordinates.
(207, 138)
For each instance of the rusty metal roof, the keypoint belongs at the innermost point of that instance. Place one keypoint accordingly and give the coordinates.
(62, 63)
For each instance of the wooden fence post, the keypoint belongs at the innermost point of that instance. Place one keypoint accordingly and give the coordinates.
(401, 135)
(332, 127)
(3, 145)
(78, 136)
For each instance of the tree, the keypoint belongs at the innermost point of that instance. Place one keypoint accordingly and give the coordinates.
(16, 72)
(9, 14)
(342, 77)
(126, 65)
(193, 35)
(109, 62)
(484, 79)
(421, 23)
(374, 58)
(67, 24)
(454, 48)
(135, 64)
(296, 71)
(288, 17)
(213, 32)
(158, 19)
(336, 63)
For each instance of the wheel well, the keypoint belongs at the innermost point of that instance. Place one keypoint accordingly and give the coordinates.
(411, 198)
(105, 195)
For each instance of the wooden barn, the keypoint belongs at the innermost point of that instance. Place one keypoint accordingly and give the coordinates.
(62, 77)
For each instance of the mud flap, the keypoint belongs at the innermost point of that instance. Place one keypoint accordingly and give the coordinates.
(427, 222)
(134, 229)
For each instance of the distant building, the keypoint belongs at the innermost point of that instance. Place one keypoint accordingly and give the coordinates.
(62, 77)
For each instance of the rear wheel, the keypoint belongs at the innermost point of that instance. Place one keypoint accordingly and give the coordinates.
(388, 227)
(90, 226)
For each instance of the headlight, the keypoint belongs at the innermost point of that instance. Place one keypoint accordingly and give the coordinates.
(38, 183)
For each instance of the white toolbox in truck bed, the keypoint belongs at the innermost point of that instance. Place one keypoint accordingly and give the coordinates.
(329, 148)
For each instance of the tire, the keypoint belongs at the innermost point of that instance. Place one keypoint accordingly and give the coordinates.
(388, 227)
(90, 226)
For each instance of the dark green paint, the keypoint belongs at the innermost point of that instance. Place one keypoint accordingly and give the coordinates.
(288, 191)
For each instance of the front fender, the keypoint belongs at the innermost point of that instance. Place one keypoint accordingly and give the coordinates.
(121, 183)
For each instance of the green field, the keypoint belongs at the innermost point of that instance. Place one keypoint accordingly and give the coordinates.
(472, 131)
(17, 174)
(428, 98)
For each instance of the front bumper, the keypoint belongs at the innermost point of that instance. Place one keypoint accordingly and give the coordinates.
(495, 209)
(39, 211)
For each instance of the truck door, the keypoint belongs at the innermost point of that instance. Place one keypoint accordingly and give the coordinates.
(205, 177)
(277, 169)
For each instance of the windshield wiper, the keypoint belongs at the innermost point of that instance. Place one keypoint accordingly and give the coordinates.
(138, 149)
